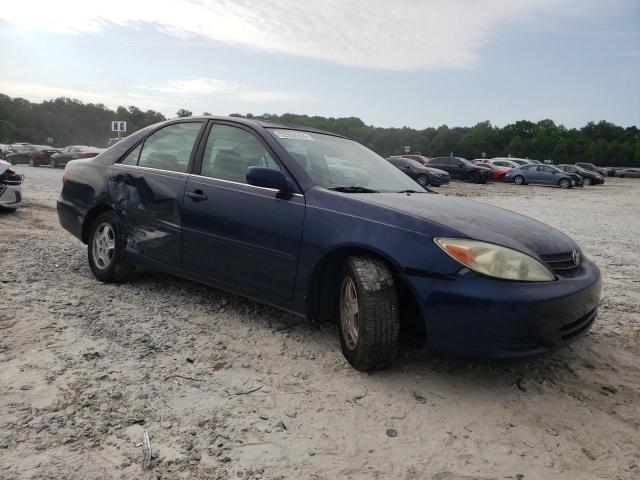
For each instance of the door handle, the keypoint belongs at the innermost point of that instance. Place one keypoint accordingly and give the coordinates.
(197, 196)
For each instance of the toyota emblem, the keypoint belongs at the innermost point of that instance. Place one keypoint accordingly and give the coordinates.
(575, 256)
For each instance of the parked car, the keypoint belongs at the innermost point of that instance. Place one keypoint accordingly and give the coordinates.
(588, 178)
(10, 187)
(462, 169)
(604, 171)
(7, 149)
(500, 162)
(517, 161)
(73, 152)
(498, 172)
(418, 158)
(543, 175)
(424, 176)
(628, 173)
(34, 155)
(264, 210)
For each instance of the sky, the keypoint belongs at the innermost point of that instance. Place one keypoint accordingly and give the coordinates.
(416, 63)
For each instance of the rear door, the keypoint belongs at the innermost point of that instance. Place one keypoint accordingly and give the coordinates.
(238, 234)
(147, 188)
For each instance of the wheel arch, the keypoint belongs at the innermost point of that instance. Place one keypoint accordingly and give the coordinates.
(91, 216)
(322, 290)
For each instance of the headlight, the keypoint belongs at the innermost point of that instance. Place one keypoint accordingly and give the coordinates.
(495, 260)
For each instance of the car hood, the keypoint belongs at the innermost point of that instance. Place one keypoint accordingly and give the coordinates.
(479, 221)
(4, 166)
(434, 171)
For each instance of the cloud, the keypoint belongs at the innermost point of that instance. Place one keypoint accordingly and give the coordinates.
(37, 92)
(166, 97)
(381, 34)
(201, 86)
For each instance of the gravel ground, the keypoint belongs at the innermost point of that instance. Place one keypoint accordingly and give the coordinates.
(228, 388)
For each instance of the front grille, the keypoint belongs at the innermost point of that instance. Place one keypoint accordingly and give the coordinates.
(562, 264)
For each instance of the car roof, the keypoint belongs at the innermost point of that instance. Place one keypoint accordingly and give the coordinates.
(262, 123)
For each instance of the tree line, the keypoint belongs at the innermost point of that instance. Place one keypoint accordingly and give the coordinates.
(71, 122)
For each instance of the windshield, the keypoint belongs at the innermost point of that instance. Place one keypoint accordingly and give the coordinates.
(335, 162)
(414, 163)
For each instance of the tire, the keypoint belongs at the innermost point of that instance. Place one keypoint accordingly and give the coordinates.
(564, 183)
(474, 177)
(53, 163)
(423, 180)
(518, 180)
(371, 341)
(108, 267)
(586, 181)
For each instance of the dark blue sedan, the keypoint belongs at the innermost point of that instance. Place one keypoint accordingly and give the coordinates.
(319, 225)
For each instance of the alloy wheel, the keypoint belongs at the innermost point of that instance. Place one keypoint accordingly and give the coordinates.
(349, 312)
(104, 244)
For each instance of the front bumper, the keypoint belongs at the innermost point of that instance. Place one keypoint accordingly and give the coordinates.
(437, 181)
(475, 317)
(10, 196)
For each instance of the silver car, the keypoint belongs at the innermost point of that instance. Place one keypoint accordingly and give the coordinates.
(10, 187)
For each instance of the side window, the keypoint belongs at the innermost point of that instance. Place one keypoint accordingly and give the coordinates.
(230, 151)
(132, 158)
(170, 147)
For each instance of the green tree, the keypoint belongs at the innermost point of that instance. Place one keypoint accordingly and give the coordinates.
(184, 113)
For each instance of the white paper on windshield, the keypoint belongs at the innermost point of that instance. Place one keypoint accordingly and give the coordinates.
(293, 134)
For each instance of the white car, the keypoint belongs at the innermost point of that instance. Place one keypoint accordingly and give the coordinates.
(10, 187)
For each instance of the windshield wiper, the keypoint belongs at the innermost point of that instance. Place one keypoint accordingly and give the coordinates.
(353, 189)
(427, 189)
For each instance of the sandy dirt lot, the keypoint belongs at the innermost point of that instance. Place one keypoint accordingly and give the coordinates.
(228, 388)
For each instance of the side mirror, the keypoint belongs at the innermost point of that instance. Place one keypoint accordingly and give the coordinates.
(268, 178)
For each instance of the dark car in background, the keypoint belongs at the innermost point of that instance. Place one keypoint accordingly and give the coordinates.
(462, 169)
(73, 152)
(425, 176)
(34, 155)
(543, 175)
(604, 171)
(628, 172)
(321, 226)
(588, 177)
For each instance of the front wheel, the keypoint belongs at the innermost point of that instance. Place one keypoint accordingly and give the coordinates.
(518, 180)
(564, 183)
(423, 180)
(106, 250)
(369, 313)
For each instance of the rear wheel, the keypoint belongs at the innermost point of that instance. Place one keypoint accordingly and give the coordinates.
(518, 180)
(423, 180)
(369, 313)
(106, 250)
(474, 177)
(564, 183)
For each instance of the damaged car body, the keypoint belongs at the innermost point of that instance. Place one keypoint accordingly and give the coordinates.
(10, 187)
(317, 224)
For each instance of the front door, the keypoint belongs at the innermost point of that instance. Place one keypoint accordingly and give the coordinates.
(147, 188)
(237, 234)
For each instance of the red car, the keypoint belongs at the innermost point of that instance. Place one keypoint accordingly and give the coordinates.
(498, 173)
